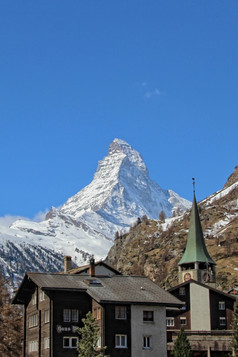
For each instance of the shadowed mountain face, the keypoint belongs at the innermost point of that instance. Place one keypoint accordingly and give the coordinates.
(121, 191)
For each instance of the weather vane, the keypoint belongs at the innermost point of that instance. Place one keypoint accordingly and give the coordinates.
(193, 184)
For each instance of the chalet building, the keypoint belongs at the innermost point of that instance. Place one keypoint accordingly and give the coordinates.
(207, 313)
(130, 311)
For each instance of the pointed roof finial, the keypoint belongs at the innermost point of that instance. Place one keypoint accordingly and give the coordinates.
(193, 184)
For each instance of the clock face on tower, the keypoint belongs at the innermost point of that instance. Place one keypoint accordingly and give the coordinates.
(187, 276)
(206, 277)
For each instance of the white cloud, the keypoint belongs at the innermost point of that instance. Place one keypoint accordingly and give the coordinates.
(7, 220)
(40, 216)
(154, 92)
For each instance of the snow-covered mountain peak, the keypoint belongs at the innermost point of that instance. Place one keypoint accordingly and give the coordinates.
(120, 192)
(120, 146)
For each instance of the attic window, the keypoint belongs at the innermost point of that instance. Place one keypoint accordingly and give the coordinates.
(92, 282)
(95, 281)
(181, 291)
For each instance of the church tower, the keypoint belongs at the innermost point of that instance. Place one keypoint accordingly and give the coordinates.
(196, 262)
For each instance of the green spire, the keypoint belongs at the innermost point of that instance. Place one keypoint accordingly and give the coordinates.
(196, 250)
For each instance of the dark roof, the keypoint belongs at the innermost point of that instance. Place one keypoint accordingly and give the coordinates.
(47, 281)
(203, 285)
(131, 289)
(196, 250)
(118, 288)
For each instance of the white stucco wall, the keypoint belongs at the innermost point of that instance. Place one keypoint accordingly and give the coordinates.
(156, 329)
(200, 308)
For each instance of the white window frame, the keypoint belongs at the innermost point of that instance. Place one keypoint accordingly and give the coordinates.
(120, 312)
(170, 321)
(67, 315)
(74, 315)
(147, 342)
(99, 342)
(47, 316)
(222, 321)
(33, 346)
(33, 320)
(121, 341)
(222, 305)
(46, 343)
(184, 319)
(70, 315)
(70, 339)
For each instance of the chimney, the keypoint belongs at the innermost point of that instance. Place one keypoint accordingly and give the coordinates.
(92, 266)
(67, 263)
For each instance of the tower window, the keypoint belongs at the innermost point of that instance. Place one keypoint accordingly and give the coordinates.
(222, 321)
(222, 305)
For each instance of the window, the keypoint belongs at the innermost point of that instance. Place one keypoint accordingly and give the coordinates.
(33, 320)
(222, 321)
(70, 342)
(47, 316)
(46, 342)
(99, 342)
(33, 346)
(42, 295)
(34, 298)
(97, 313)
(170, 321)
(70, 315)
(121, 341)
(74, 315)
(181, 291)
(222, 305)
(183, 321)
(147, 342)
(120, 312)
(148, 316)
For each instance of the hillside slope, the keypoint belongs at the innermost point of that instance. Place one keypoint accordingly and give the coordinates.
(154, 248)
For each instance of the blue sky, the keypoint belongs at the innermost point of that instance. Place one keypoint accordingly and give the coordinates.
(74, 75)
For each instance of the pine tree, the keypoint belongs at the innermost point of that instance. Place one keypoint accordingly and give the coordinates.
(87, 346)
(181, 346)
(162, 216)
(234, 343)
(11, 335)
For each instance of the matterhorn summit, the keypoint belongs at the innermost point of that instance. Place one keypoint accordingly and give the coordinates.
(120, 192)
